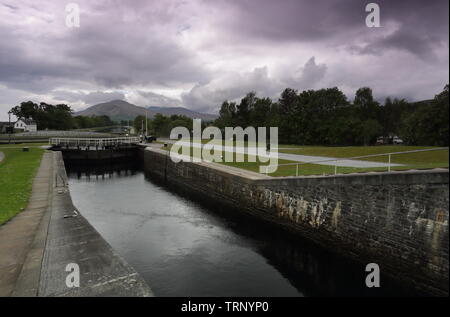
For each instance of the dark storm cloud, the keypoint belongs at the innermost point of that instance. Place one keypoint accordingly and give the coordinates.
(204, 51)
(26, 69)
(131, 53)
(422, 25)
(105, 49)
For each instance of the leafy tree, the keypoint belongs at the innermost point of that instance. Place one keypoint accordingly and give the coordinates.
(26, 110)
(428, 125)
(369, 107)
(259, 115)
(326, 117)
(47, 116)
(245, 108)
(227, 115)
(83, 122)
(370, 129)
(288, 106)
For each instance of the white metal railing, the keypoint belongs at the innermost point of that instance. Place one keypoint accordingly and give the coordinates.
(96, 142)
(354, 158)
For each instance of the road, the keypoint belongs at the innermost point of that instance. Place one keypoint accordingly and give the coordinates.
(301, 158)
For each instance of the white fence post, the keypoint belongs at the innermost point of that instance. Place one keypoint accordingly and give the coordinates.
(389, 164)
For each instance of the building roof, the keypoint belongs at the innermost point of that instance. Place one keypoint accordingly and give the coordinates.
(27, 121)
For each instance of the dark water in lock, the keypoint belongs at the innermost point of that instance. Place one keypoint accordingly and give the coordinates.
(183, 247)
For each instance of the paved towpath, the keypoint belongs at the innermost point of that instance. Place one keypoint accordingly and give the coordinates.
(301, 158)
(18, 235)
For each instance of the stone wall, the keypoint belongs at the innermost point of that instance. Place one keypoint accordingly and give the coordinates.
(398, 220)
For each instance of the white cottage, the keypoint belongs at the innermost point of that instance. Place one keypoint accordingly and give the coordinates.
(26, 125)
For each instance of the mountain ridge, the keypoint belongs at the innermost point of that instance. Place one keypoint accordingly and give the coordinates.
(123, 110)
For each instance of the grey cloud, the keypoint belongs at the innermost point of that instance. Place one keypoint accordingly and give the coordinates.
(90, 98)
(26, 70)
(209, 96)
(158, 100)
(134, 61)
(421, 45)
(107, 50)
(99, 96)
(231, 86)
(139, 45)
(308, 76)
(9, 6)
(422, 24)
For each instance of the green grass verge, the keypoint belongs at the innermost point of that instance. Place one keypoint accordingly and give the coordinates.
(17, 170)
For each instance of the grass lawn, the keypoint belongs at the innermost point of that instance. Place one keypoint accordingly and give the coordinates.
(21, 145)
(17, 170)
(347, 151)
(420, 160)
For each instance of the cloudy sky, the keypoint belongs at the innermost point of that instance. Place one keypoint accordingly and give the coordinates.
(198, 53)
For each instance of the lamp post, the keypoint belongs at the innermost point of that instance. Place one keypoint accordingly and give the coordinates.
(146, 125)
(9, 127)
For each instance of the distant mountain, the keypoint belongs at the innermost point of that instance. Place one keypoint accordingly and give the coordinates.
(122, 110)
(168, 111)
(116, 110)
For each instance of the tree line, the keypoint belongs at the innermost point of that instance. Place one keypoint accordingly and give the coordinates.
(161, 125)
(310, 117)
(58, 117)
(326, 117)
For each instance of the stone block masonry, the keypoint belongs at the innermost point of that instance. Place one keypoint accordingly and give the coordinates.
(398, 220)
